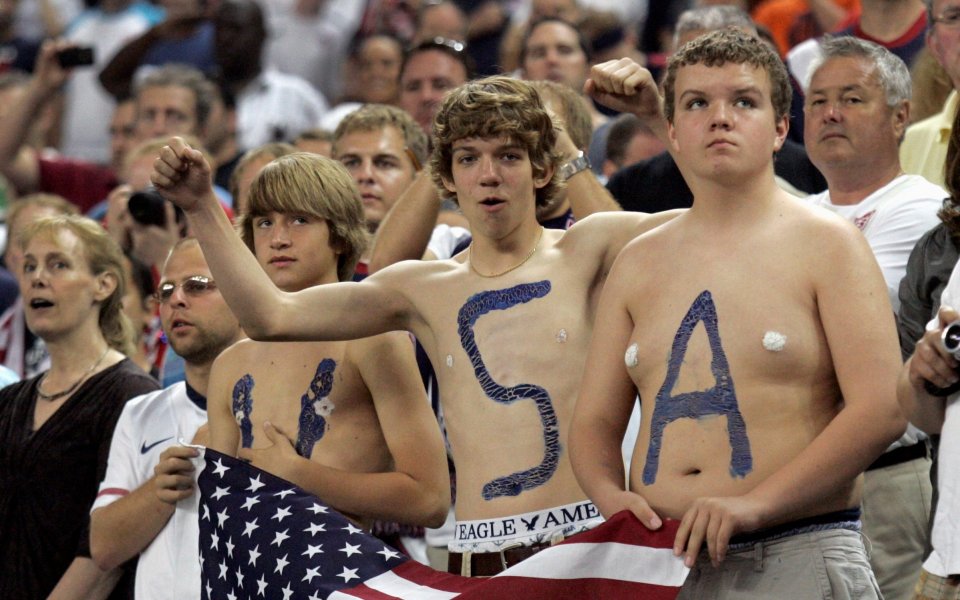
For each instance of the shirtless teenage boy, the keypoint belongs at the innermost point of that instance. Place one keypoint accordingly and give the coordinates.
(506, 325)
(347, 421)
(759, 339)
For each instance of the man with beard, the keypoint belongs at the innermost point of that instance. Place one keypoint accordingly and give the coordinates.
(146, 504)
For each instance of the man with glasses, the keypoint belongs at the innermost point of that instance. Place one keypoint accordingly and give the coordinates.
(924, 147)
(146, 503)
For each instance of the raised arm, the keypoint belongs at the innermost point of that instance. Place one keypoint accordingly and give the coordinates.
(405, 230)
(329, 312)
(625, 86)
(603, 408)
(417, 490)
(931, 365)
(18, 163)
(117, 76)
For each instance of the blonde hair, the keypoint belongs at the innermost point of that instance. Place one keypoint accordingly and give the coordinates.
(310, 184)
(103, 255)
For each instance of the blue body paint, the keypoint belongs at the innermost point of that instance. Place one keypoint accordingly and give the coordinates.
(718, 400)
(242, 407)
(312, 424)
(474, 308)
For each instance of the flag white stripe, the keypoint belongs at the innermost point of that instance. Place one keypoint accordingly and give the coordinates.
(609, 560)
(393, 585)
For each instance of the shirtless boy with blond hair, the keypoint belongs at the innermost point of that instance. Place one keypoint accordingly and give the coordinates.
(506, 324)
(757, 333)
(347, 421)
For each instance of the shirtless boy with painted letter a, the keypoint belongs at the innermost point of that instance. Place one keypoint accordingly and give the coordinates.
(506, 324)
(347, 421)
(759, 339)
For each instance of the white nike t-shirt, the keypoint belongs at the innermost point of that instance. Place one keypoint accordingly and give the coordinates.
(169, 567)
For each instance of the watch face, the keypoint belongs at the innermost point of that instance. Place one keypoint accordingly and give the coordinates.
(571, 168)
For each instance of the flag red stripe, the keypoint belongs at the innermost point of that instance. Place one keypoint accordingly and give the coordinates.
(582, 589)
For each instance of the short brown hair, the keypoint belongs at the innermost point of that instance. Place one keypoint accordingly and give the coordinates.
(734, 46)
(374, 117)
(307, 183)
(496, 107)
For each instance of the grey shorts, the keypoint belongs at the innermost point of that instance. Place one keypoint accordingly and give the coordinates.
(818, 565)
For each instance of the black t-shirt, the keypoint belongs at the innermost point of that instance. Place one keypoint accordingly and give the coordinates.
(49, 477)
(655, 184)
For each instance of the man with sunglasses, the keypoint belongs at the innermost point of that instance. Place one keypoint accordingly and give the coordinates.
(146, 504)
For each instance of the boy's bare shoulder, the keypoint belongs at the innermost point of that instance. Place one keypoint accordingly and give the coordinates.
(414, 272)
(818, 225)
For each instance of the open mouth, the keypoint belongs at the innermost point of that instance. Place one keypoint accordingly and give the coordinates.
(179, 323)
(40, 303)
(491, 202)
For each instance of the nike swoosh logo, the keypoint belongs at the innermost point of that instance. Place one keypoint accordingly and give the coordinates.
(144, 448)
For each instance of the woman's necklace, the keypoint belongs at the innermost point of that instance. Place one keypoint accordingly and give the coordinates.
(504, 272)
(75, 385)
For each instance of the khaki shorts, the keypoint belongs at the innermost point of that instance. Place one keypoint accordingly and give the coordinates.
(829, 564)
(934, 587)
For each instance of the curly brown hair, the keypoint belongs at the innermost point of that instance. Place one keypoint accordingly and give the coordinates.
(496, 107)
(737, 47)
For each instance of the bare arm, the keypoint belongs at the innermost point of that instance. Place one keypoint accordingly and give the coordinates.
(17, 162)
(405, 231)
(603, 408)
(625, 86)
(224, 430)
(117, 76)
(83, 580)
(124, 528)
(349, 310)
(585, 193)
(417, 490)
(929, 363)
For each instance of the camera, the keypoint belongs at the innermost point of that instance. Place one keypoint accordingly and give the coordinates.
(950, 339)
(146, 206)
(77, 56)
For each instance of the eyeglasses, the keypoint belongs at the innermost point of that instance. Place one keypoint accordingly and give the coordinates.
(950, 18)
(191, 286)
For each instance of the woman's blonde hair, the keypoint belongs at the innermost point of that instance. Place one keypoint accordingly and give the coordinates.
(103, 255)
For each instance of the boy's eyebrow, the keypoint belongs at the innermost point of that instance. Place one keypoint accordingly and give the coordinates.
(751, 89)
(469, 148)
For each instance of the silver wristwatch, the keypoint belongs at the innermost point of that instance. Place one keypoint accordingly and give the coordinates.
(574, 166)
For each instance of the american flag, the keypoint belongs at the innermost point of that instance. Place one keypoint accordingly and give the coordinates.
(263, 537)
